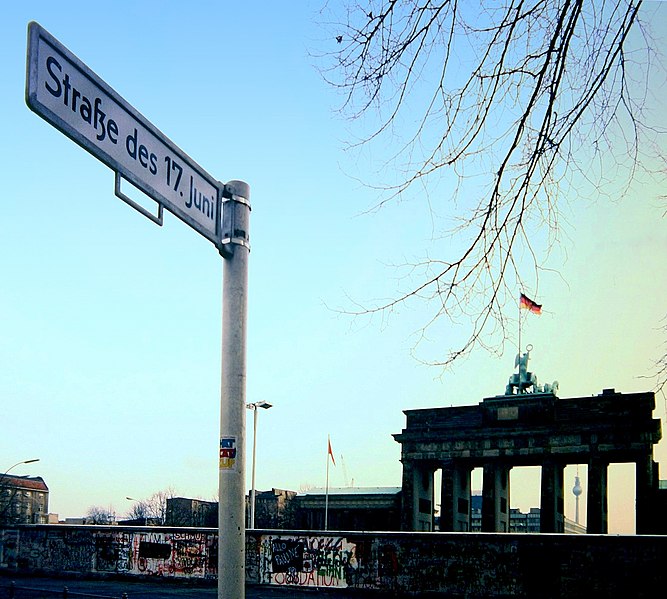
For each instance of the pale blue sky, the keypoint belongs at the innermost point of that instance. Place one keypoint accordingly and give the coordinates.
(110, 328)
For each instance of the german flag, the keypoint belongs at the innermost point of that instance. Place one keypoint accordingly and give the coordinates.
(330, 451)
(529, 304)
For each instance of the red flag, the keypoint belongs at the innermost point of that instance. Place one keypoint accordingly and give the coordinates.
(529, 304)
(331, 451)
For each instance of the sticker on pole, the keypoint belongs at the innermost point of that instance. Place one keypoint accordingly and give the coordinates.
(228, 454)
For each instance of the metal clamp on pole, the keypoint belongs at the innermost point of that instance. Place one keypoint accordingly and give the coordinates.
(235, 217)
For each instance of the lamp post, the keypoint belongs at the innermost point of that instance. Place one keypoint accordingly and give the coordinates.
(18, 464)
(142, 510)
(254, 406)
(6, 472)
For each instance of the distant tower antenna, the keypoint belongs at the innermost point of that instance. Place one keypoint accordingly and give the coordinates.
(577, 491)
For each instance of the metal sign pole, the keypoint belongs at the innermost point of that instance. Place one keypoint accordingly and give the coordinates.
(113, 131)
(235, 249)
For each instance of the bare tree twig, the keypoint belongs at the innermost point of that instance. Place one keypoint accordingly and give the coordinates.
(526, 94)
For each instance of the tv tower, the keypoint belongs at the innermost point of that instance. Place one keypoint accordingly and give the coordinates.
(577, 491)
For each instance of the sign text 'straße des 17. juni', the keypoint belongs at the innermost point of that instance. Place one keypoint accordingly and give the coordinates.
(66, 93)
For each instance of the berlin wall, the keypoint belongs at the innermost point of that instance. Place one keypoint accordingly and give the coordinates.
(452, 564)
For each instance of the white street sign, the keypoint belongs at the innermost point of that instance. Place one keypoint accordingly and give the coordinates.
(67, 94)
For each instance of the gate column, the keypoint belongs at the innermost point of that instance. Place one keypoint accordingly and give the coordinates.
(417, 496)
(596, 501)
(495, 497)
(646, 487)
(551, 503)
(455, 497)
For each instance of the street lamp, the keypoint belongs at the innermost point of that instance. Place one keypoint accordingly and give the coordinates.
(18, 464)
(254, 406)
(141, 510)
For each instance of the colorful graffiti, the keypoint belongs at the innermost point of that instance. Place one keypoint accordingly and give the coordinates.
(299, 560)
(305, 560)
(185, 554)
(174, 554)
(456, 564)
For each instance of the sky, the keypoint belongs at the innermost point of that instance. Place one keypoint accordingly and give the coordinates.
(111, 326)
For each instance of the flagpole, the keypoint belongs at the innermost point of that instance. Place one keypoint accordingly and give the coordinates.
(519, 352)
(326, 496)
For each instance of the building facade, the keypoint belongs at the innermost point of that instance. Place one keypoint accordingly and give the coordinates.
(349, 509)
(273, 509)
(23, 500)
(182, 511)
(519, 521)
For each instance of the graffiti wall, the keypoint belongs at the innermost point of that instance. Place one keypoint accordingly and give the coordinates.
(310, 561)
(175, 554)
(181, 553)
(452, 564)
(297, 560)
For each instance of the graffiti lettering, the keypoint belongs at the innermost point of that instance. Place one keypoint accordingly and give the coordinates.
(286, 555)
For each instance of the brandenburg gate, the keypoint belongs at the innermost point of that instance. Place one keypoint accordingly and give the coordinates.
(529, 425)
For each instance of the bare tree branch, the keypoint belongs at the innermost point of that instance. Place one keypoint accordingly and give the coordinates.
(153, 509)
(527, 95)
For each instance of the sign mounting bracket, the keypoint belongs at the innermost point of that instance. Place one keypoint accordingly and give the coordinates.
(157, 219)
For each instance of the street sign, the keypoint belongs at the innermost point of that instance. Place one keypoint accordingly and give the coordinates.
(67, 94)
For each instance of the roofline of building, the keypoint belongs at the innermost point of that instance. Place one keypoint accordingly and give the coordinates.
(35, 483)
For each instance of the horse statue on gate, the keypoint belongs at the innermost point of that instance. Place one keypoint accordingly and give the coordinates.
(525, 381)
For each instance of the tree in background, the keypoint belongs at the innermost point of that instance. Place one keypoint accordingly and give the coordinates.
(100, 515)
(152, 510)
(496, 110)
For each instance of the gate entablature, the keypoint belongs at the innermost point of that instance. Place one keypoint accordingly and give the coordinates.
(525, 429)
